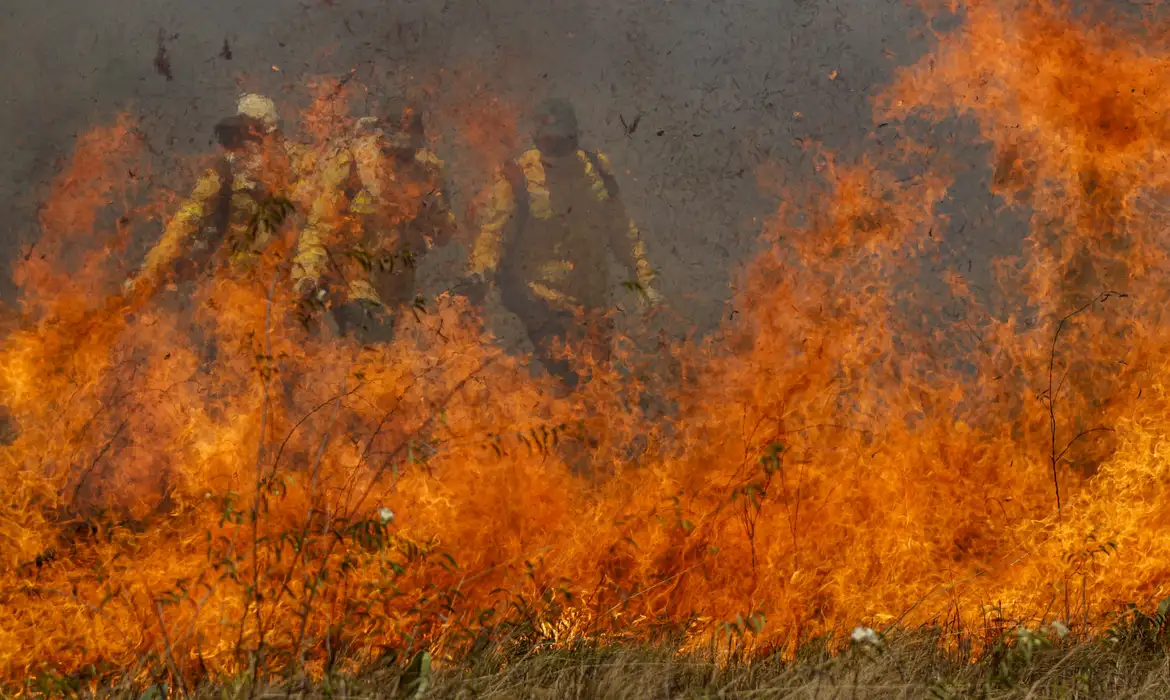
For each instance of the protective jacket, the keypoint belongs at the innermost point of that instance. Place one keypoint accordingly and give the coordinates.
(218, 221)
(550, 222)
(374, 218)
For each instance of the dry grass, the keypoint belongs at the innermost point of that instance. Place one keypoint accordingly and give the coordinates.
(905, 666)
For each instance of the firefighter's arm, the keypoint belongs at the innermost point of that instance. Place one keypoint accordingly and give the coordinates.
(312, 255)
(181, 228)
(626, 238)
(637, 247)
(488, 245)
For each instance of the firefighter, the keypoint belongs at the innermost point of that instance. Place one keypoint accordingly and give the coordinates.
(382, 206)
(554, 213)
(224, 206)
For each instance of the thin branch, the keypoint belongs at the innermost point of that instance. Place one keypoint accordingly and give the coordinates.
(1054, 455)
(162, 626)
(1083, 433)
(93, 464)
(646, 590)
(315, 471)
(299, 423)
(402, 446)
(267, 377)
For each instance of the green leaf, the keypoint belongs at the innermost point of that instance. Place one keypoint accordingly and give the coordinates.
(1164, 607)
(757, 622)
(415, 679)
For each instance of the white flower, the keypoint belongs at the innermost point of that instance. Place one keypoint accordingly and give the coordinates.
(385, 515)
(1059, 628)
(864, 635)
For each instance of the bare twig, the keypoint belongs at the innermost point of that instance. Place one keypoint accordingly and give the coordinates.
(646, 590)
(307, 604)
(267, 378)
(1056, 455)
(307, 609)
(175, 670)
(299, 423)
(93, 464)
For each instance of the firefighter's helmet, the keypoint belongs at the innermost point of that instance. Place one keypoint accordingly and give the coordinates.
(259, 107)
(366, 126)
(556, 126)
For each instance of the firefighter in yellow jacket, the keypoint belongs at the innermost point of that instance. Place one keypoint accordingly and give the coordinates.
(381, 207)
(255, 168)
(555, 213)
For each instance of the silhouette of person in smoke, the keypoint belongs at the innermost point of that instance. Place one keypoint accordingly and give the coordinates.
(220, 225)
(382, 207)
(225, 202)
(554, 214)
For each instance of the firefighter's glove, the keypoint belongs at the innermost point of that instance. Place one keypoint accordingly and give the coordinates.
(652, 298)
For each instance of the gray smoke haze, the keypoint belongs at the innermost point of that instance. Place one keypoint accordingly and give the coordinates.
(719, 87)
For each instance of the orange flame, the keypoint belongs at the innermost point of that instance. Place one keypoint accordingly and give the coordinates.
(297, 500)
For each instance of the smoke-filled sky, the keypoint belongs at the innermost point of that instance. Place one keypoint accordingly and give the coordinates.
(718, 84)
(722, 88)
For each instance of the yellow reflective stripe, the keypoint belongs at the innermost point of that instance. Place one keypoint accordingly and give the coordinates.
(485, 254)
(312, 257)
(337, 168)
(367, 154)
(539, 205)
(362, 290)
(596, 183)
(363, 203)
(555, 270)
(434, 167)
(638, 246)
(549, 294)
(241, 181)
(183, 224)
(428, 158)
(605, 164)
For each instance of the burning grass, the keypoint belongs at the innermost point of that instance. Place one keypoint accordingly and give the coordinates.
(294, 502)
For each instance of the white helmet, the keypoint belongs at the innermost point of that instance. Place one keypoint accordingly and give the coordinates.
(367, 126)
(259, 107)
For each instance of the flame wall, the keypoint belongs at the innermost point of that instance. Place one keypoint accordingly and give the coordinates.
(828, 463)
